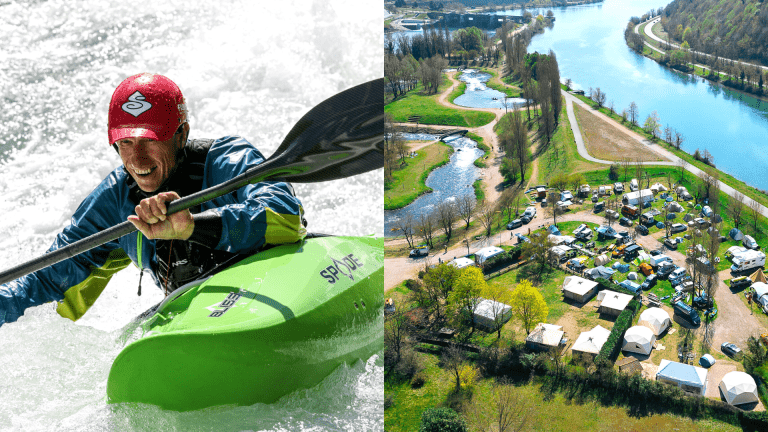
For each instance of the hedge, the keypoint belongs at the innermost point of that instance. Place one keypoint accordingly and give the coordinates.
(502, 260)
(611, 348)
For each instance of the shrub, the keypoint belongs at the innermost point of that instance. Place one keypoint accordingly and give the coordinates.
(503, 259)
(418, 380)
(388, 401)
(613, 172)
(467, 375)
(442, 420)
(754, 420)
(612, 346)
(412, 284)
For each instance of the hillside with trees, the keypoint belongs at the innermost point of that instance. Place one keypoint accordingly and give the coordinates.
(733, 29)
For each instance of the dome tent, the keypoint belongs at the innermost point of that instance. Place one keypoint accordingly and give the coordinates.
(656, 319)
(639, 339)
(736, 234)
(738, 388)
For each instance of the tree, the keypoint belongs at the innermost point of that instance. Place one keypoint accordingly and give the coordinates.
(652, 124)
(405, 225)
(438, 284)
(425, 227)
(395, 337)
(442, 420)
(754, 211)
(633, 113)
(736, 206)
(528, 305)
(755, 354)
(679, 139)
(537, 251)
(599, 97)
(465, 206)
(508, 410)
(486, 212)
(463, 300)
(625, 164)
(682, 165)
(446, 216)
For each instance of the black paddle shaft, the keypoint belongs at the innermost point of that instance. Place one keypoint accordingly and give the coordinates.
(341, 137)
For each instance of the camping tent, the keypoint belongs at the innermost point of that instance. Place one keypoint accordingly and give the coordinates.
(488, 312)
(738, 388)
(612, 303)
(656, 319)
(553, 229)
(544, 337)
(601, 260)
(675, 207)
(561, 239)
(688, 217)
(600, 272)
(689, 378)
(759, 276)
(487, 252)
(638, 339)
(736, 234)
(579, 289)
(460, 263)
(589, 343)
(761, 292)
(658, 187)
(632, 276)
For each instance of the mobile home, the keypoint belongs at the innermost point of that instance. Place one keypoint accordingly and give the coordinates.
(748, 260)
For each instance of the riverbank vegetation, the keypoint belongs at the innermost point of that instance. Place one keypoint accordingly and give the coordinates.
(408, 180)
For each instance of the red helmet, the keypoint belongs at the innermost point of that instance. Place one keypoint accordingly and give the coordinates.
(146, 106)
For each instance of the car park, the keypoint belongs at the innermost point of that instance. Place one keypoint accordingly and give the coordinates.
(730, 349)
(649, 282)
(517, 223)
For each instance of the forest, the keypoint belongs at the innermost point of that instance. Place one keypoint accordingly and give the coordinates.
(734, 29)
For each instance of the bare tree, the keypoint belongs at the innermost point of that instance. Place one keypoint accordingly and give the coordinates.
(682, 165)
(679, 139)
(465, 206)
(754, 211)
(736, 207)
(446, 213)
(599, 97)
(486, 212)
(625, 165)
(633, 112)
(639, 169)
(509, 410)
(425, 228)
(553, 210)
(395, 336)
(452, 358)
(405, 226)
(507, 202)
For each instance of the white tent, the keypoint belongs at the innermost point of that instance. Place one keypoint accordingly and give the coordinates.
(632, 276)
(590, 343)
(558, 240)
(656, 319)
(545, 336)
(638, 339)
(488, 313)
(638, 197)
(488, 252)
(761, 292)
(738, 388)
(579, 289)
(460, 263)
(658, 187)
(675, 207)
(612, 303)
(601, 260)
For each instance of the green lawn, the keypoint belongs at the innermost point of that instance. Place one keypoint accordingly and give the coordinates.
(408, 182)
(431, 112)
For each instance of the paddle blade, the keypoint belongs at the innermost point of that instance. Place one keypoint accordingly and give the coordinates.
(340, 137)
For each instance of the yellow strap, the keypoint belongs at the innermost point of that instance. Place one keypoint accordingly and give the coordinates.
(283, 228)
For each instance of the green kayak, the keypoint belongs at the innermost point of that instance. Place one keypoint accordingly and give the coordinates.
(278, 321)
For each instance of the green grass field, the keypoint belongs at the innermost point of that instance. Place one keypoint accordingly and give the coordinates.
(431, 112)
(408, 183)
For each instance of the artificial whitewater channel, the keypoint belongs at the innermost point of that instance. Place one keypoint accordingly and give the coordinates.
(246, 68)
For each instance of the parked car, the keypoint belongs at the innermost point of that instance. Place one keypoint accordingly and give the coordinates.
(730, 349)
(670, 243)
(664, 270)
(676, 277)
(656, 252)
(677, 227)
(741, 281)
(687, 312)
(525, 219)
(649, 282)
(702, 301)
(419, 251)
(517, 223)
(625, 221)
(642, 229)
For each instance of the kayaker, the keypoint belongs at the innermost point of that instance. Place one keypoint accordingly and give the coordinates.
(148, 128)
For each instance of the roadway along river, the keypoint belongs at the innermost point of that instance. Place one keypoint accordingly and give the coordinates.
(589, 43)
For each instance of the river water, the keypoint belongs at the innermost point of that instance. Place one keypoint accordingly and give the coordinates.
(478, 95)
(246, 68)
(589, 43)
(449, 182)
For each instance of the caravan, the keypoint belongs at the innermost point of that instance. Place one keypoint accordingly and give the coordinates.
(633, 185)
(748, 260)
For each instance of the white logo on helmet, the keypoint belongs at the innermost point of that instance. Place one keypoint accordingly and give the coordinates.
(136, 104)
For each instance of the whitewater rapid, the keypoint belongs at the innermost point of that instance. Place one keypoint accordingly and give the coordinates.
(245, 68)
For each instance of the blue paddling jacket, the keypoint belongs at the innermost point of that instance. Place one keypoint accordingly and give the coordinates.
(226, 229)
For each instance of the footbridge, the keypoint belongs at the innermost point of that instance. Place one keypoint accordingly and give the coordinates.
(451, 132)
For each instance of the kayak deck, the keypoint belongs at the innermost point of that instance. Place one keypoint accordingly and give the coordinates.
(278, 321)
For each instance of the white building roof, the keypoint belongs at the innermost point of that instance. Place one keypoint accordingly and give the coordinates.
(591, 341)
(546, 334)
(683, 373)
(613, 300)
(578, 285)
(489, 309)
